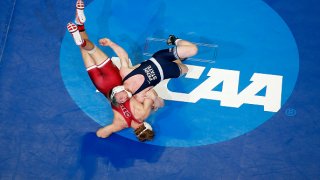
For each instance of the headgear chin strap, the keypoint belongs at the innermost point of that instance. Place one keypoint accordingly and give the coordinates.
(118, 89)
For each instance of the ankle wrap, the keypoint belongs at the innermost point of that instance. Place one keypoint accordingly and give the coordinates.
(93, 50)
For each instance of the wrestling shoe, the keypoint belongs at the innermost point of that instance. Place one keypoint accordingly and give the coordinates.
(171, 40)
(73, 30)
(80, 17)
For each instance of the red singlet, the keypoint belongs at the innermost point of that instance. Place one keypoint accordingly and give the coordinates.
(105, 77)
(125, 111)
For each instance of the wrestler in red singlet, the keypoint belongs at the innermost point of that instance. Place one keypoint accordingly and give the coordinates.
(105, 77)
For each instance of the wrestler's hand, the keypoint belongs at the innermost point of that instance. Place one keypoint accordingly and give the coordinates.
(158, 103)
(105, 42)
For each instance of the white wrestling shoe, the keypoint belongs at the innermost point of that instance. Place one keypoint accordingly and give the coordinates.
(73, 29)
(80, 17)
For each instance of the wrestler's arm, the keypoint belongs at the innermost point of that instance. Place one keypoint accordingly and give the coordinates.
(120, 52)
(141, 110)
(150, 93)
(147, 107)
(106, 131)
(158, 101)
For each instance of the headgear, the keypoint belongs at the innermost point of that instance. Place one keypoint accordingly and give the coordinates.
(147, 126)
(118, 89)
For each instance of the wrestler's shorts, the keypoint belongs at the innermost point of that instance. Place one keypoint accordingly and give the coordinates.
(165, 58)
(105, 77)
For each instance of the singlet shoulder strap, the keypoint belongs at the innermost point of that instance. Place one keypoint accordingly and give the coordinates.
(141, 88)
(125, 111)
(126, 117)
(128, 75)
(143, 85)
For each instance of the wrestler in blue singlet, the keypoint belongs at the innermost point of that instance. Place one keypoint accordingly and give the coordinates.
(159, 67)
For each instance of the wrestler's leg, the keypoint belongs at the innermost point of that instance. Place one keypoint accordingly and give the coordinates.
(95, 53)
(87, 48)
(185, 49)
(166, 56)
(79, 40)
(92, 50)
(87, 59)
(95, 61)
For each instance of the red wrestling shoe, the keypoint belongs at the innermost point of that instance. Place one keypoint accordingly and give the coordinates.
(80, 17)
(73, 30)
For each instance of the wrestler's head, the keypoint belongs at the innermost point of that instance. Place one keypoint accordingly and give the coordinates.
(119, 95)
(144, 132)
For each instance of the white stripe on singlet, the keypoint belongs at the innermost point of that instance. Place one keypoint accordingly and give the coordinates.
(91, 67)
(155, 62)
(105, 62)
(99, 66)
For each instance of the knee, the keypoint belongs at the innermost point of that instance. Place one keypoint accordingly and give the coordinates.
(189, 51)
(193, 50)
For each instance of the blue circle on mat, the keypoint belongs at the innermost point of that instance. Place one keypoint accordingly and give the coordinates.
(244, 36)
